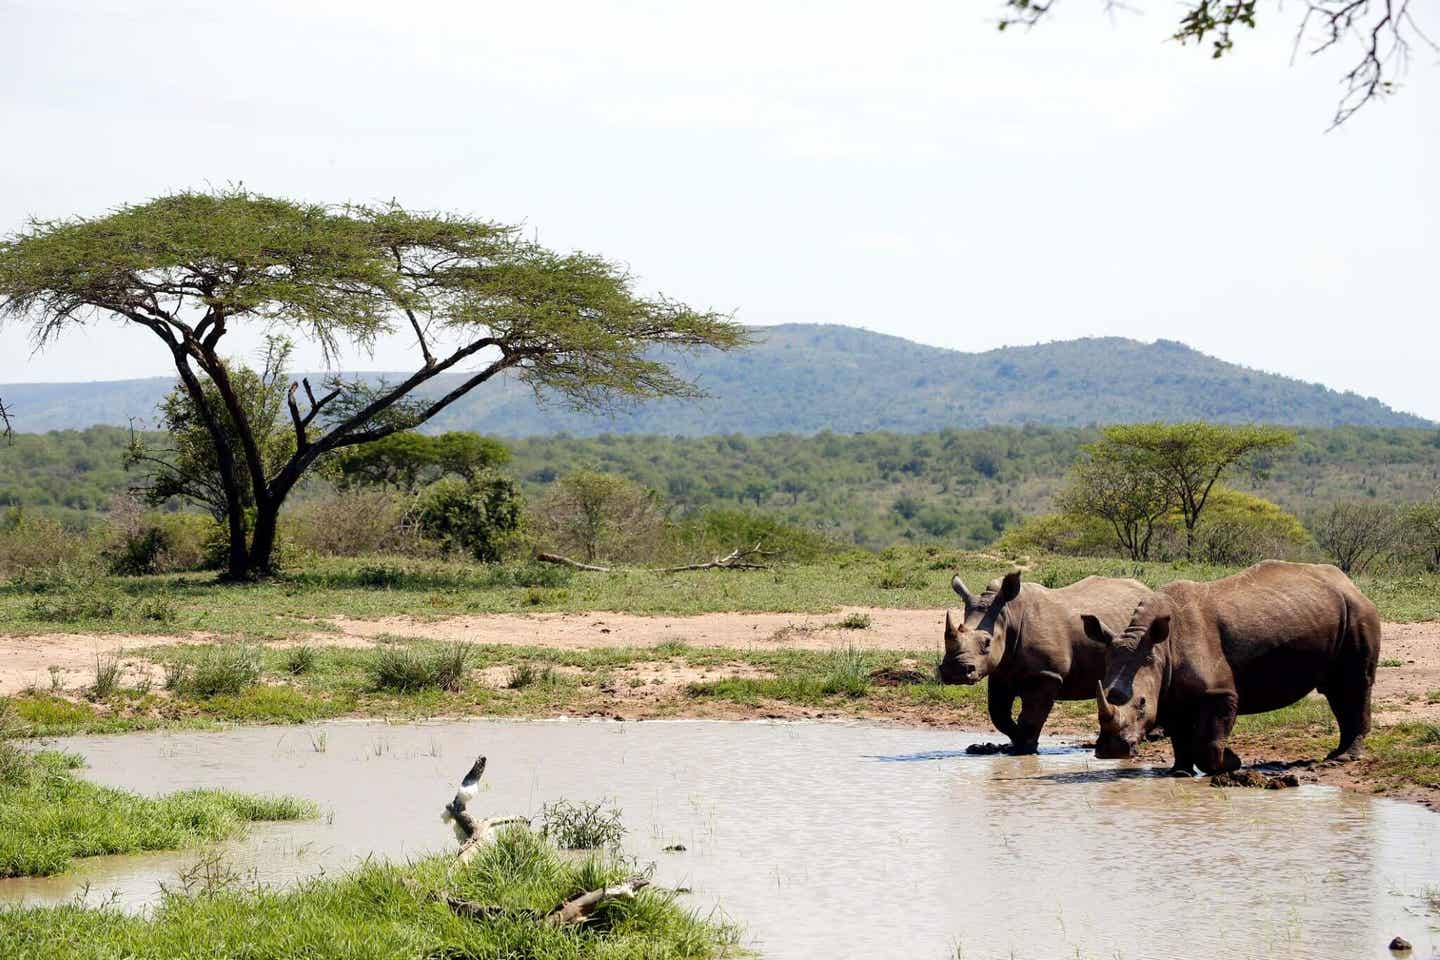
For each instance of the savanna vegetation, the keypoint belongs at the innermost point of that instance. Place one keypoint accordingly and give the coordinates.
(385, 910)
(48, 816)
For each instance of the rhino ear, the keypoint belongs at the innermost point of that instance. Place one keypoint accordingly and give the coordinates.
(1010, 586)
(1096, 630)
(965, 596)
(1160, 628)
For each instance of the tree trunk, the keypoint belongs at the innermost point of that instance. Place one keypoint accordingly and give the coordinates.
(262, 543)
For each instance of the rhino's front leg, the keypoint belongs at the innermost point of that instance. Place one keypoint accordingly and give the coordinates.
(1001, 697)
(1212, 730)
(1036, 700)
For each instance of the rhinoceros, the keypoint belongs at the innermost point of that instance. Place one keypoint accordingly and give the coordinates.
(1195, 655)
(1028, 641)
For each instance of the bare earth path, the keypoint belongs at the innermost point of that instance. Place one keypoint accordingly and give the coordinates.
(1409, 691)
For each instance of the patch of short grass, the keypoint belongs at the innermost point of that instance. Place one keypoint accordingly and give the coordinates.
(1405, 753)
(1392, 662)
(385, 911)
(1310, 717)
(274, 704)
(48, 816)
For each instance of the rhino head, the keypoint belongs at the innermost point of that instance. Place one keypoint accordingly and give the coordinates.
(975, 645)
(1128, 695)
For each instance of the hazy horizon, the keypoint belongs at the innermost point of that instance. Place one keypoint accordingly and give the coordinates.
(912, 171)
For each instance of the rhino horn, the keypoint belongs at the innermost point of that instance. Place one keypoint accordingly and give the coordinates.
(958, 586)
(1107, 712)
(952, 636)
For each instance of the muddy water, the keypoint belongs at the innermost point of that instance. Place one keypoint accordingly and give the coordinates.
(831, 840)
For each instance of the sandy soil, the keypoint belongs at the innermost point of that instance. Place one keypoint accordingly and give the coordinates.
(1401, 692)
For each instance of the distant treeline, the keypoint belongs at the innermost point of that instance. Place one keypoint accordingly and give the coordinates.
(962, 487)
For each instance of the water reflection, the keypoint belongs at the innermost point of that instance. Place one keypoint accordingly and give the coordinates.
(841, 840)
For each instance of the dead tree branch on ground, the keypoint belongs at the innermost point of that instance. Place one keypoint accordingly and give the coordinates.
(475, 834)
(741, 558)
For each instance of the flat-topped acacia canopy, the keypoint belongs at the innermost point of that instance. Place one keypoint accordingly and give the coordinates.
(191, 266)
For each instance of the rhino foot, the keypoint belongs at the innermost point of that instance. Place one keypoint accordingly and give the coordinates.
(1186, 772)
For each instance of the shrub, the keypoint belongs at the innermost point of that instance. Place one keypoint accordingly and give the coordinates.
(138, 554)
(479, 516)
(34, 548)
(1064, 533)
(1353, 534)
(582, 826)
(355, 522)
(602, 516)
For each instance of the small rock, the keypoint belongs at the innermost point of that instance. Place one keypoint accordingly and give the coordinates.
(1254, 778)
(987, 749)
(1400, 945)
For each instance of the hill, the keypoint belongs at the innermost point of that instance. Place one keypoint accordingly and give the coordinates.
(804, 378)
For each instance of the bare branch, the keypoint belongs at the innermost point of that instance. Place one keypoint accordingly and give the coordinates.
(6, 428)
(1382, 30)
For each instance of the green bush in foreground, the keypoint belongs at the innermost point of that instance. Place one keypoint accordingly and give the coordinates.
(383, 911)
(48, 816)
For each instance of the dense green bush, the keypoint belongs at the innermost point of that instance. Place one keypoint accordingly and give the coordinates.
(479, 516)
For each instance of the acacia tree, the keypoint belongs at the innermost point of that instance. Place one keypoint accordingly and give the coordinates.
(1184, 460)
(1382, 33)
(188, 467)
(478, 299)
(5, 428)
(1131, 501)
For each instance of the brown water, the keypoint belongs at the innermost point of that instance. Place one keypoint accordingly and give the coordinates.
(839, 840)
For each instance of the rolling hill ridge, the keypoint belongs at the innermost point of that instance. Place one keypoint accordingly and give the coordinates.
(804, 378)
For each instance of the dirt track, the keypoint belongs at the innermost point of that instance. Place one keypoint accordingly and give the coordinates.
(1401, 692)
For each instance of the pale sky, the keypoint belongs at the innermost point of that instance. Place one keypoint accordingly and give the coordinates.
(900, 166)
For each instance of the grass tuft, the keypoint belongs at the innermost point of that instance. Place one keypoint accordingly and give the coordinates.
(406, 669)
(582, 826)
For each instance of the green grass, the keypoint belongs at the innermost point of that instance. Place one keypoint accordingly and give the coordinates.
(48, 816)
(1405, 753)
(296, 605)
(406, 669)
(382, 911)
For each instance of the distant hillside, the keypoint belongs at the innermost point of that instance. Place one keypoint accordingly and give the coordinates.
(804, 378)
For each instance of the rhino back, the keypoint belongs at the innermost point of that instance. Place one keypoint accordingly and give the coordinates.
(1278, 627)
(1052, 638)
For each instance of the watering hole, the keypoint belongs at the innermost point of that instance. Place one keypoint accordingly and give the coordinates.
(839, 840)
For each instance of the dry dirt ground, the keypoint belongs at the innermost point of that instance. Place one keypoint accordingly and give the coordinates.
(1409, 691)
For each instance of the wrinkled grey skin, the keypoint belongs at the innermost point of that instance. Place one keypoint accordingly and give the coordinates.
(1028, 641)
(1196, 655)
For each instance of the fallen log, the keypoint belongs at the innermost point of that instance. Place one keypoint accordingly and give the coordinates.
(557, 559)
(580, 908)
(473, 834)
(741, 558)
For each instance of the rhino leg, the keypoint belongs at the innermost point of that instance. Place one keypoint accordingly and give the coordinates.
(1212, 729)
(1001, 698)
(1035, 705)
(1180, 743)
(1348, 691)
